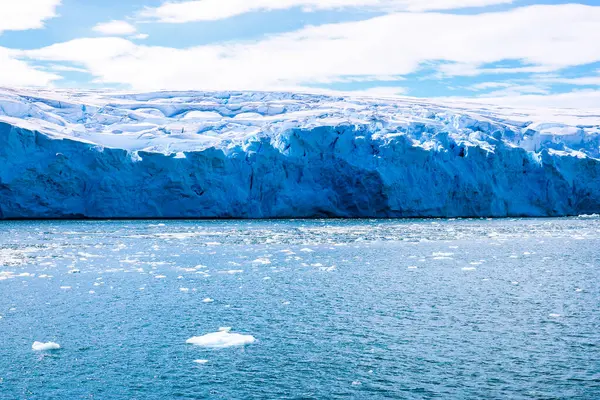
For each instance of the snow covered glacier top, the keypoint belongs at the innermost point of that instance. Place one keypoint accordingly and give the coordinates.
(175, 122)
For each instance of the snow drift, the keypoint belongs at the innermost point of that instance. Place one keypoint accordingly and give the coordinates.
(75, 154)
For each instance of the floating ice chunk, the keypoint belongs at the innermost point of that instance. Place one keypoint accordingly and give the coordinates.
(201, 361)
(412, 267)
(554, 315)
(267, 278)
(65, 287)
(469, 269)
(160, 277)
(442, 254)
(356, 383)
(307, 250)
(184, 289)
(328, 269)
(262, 261)
(208, 300)
(232, 271)
(286, 303)
(578, 290)
(39, 346)
(91, 292)
(221, 339)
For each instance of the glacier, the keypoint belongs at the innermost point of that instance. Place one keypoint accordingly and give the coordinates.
(100, 154)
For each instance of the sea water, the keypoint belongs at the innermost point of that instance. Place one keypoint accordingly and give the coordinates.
(324, 309)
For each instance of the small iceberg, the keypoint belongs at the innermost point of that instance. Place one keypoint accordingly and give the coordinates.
(39, 346)
(201, 361)
(221, 339)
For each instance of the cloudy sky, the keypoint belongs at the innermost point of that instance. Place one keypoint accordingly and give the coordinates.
(514, 51)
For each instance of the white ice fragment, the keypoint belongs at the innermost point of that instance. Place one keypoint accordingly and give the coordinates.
(65, 287)
(328, 269)
(160, 277)
(221, 339)
(39, 346)
(439, 254)
(184, 289)
(201, 361)
(208, 300)
(262, 261)
(307, 250)
(232, 271)
(469, 269)
(554, 315)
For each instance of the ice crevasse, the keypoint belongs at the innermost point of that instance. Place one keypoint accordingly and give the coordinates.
(96, 154)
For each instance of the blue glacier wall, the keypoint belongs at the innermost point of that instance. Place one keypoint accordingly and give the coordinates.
(337, 171)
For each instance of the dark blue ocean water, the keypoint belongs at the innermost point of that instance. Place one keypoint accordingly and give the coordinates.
(459, 309)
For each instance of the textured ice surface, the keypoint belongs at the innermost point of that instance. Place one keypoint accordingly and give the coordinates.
(39, 346)
(257, 155)
(223, 338)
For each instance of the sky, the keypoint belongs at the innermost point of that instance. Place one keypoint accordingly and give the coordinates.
(518, 52)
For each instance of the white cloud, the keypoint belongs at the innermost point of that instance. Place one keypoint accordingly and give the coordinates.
(543, 37)
(517, 90)
(18, 15)
(463, 69)
(66, 68)
(211, 10)
(18, 73)
(115, 28)
(580, 81)
(140, 36)
(579, 99)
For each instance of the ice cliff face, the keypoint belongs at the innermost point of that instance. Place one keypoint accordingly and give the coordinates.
(259, 155)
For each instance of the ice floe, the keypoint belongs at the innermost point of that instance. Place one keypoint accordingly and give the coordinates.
(39, 346)
(221, 339)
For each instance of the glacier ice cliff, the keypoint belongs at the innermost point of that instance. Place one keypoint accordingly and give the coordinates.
(94, 154)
